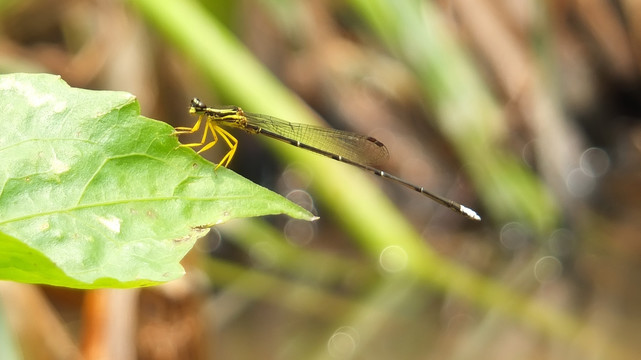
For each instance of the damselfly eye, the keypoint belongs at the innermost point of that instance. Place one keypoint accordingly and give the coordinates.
(195, 102)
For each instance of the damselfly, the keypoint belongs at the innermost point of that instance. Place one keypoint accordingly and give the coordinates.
(354, 149)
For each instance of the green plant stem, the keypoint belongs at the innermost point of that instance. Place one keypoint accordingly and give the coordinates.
(466, 113)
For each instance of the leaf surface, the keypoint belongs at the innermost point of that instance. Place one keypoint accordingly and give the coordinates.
(104, 195)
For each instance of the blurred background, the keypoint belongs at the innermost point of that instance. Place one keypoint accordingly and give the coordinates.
(526, 111)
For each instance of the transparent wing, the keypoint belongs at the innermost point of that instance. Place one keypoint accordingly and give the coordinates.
(352, 146)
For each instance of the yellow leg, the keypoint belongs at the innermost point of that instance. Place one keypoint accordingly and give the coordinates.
(231, 142)
(210, 126)
(189, 130)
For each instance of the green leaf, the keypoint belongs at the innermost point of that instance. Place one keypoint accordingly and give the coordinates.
(94, 195)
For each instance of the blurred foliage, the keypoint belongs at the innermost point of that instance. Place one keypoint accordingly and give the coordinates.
(531, 107)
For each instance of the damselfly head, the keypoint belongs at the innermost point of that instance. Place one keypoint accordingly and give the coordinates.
(196, 105)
